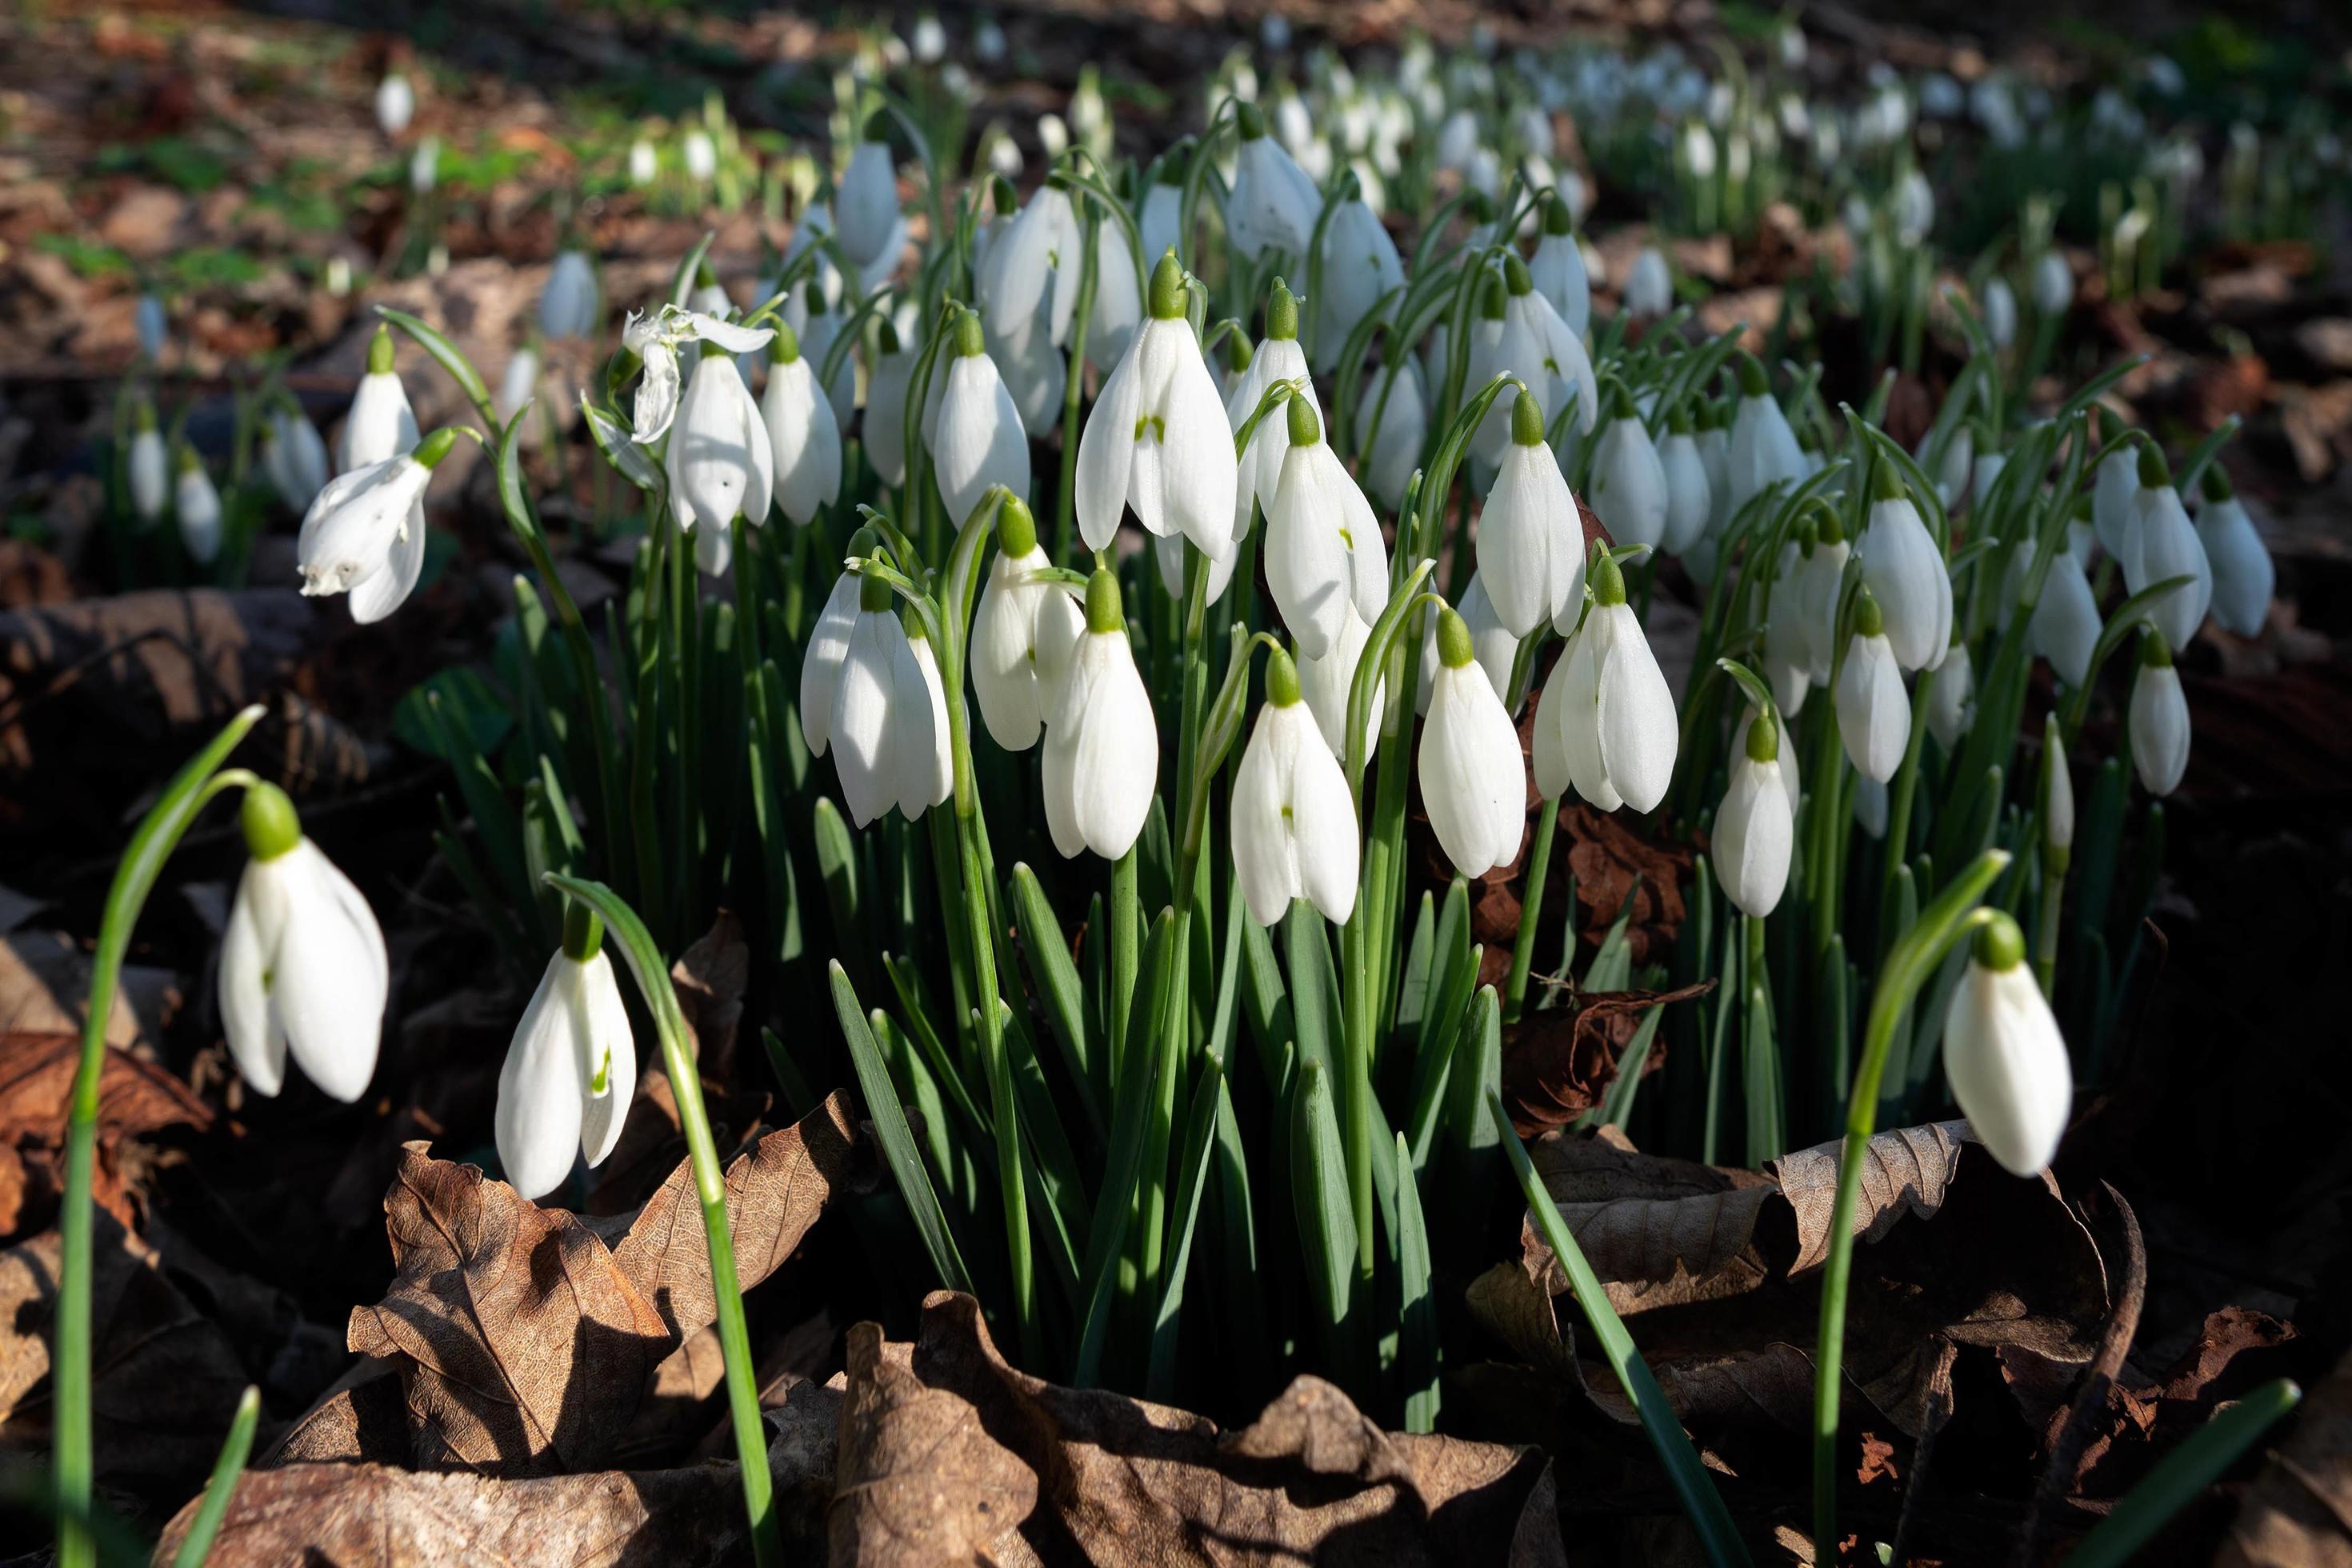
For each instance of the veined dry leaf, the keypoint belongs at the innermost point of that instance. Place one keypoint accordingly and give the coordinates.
(1558, 1064)
(1117, 1480)
(524, 1341)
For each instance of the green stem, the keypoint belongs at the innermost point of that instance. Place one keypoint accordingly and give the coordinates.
(158, 834)
(652, 972)
(1523, 946)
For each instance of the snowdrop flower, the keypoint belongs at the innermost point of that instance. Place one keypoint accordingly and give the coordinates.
(518, 383)
(150, 323)
(1755, 826)
(1763, 448)
(1023, 633)
(2053, 284)
(1102, 746)
(1690, 502)
(1294, 823)
(644, 163)
(295, 458)
(381, 423)
(395, 104)
(1904, 572)
(1323, 545)
(1530, 536)
(2243, 576)
(1491, 642)
(886, 385)
(865, 206)
(803, 441)
(1606, 724)
(1361, 266)
(2165, 545)
(365, 535)
(1273, 205)
(1158, 439)
(1473, 782)
(302, 964)
(1999, 306)
(1403, 426)
(701, 156)
(2003, 1057)
(1951, 698)
(1873, 711)
(720, 463)
(1329, 682)
(568, 303)
(425, 166)
(1629, 481)
(978, 440)
(198, 506)
(1649, 286)
(2158, 718)
(571, 1068)
(1557, 267)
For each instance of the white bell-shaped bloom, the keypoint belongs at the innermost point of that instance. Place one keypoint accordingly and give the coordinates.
(865, 206)
(2115, 500)
(1404, 427)
(149, 468)
(1690, 502)
(1035, 266)
(568, 305)
(1276, 359)
(395, 104)
(2165, 545)
(886, 386)
(1324, 550)
(1328, 682)
(1020, 613)
(302, 965)
(1156, 439)
(1273, 205)
(1629, 480)
(1360, 265)
(518, 383)
(721, 462)
(1101, 762)
(1999, 306)
(1904, 572)
(294, 457)
(1607, 714)
(1755, 827)
(196, 506)
(1873, 711)
(2003, 1054)
(2243, 577)
(365, 535)
(2053, 284)
(1530, 536)
(571, 1069)
(886, 725)
(1951, 699)
(1649, 285)
(1473, 783)
(978, 441)
(1763, 447)
(1294, 822)
(803, 442)
(1557, 267)
(2159, 719)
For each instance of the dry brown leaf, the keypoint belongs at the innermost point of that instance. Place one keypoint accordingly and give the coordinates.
(526, 1345)
(1118, 1480)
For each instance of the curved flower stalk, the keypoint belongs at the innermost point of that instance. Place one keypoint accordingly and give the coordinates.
(1102, 748)
(1607, 723)
(978, 441)
(1158, 439)
(2006, 1062)
(365, 536)
(1024, 635)
(1324, 551)
(1873, 711)
(1472, 779)
(803, 442)
(2243, 577)
(1531, 538)
(571, 1069)
(1294, 822)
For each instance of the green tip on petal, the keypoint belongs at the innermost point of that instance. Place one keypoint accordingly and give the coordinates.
(1556, 220)
(583, 932)
(1281, 313)
(873, 595)
(1168, 287)
(1885, 484)
(1516, 277)
(1305, 428)
(1003, 196)
(1999, 944)
(1608, 580)
(1490, 299)
(436, 446)
(1250, 120)
(2155, 653)
(380, 350)
(1753, 382)
(1282, 679)
(1016, 527)
(271, 824)
(1763, 740)
(786, 346)
(1869, 620)
(2214, 483)
(2155, 473)
(1454, 644)
(1105, 614)
(969, 340)
(1527, 419)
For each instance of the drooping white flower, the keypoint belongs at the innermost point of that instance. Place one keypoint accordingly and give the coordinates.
(1021, 620)
(1649, 285)
(1360, 266)
(2158, 718)
(1530, 537)
(1629, 480)
(1156, 439)
(1101, 762)
(1607, 717)
(2003, 1054)
(395, 104)
(1755, 827)
(571, 1068)
(720, 463)
(196, 504)
(865, 205)
(1951, 699)
(1294, 823)
(1324, 550)
(1278, 358)
(365, 535)
(803, 441)
(302, 966)
(2243, 577)
(568, 302)
(1557, 267)
(1328, 682)
(1473, 782)
(1873, 711)
(1904, 571)
(2165, 545)
(1763, 447)
(1273, 205)
(1402, 428)
(295, 458)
